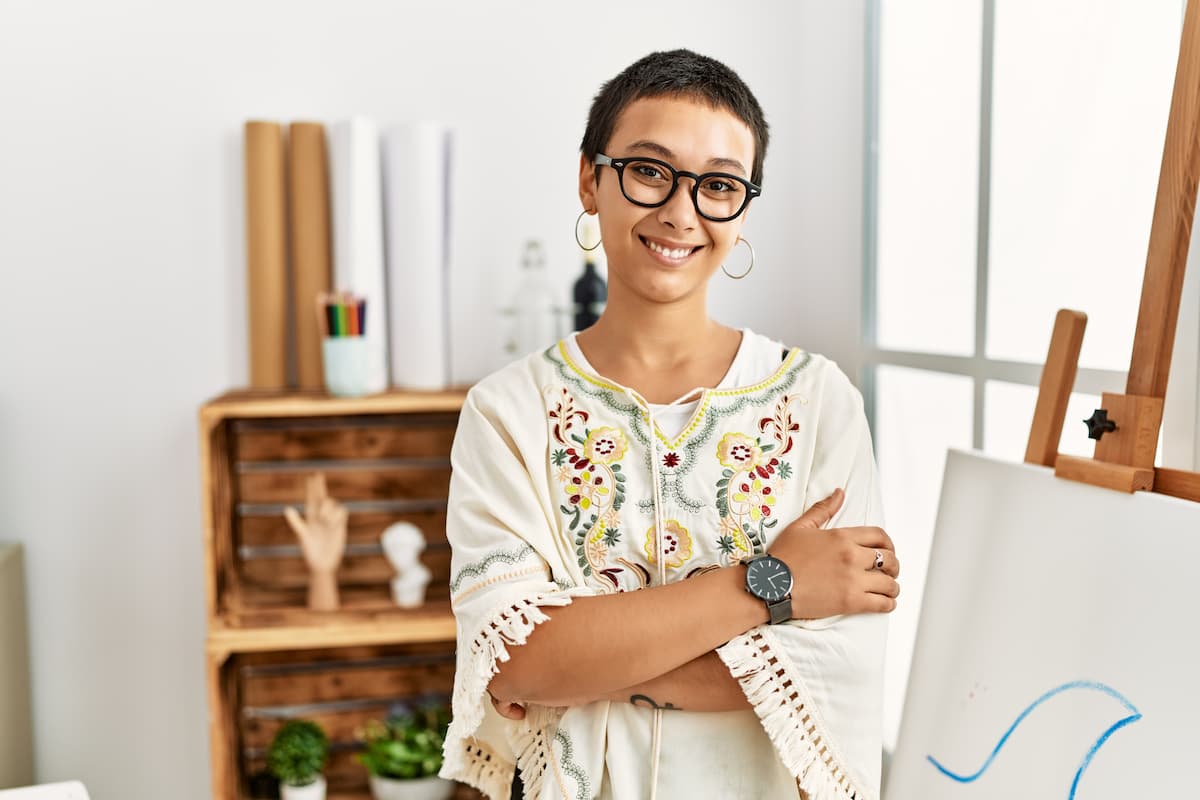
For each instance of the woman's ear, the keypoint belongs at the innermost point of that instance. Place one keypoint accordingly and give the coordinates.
(587, 183)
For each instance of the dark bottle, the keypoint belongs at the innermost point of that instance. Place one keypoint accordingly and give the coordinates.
(590, 294)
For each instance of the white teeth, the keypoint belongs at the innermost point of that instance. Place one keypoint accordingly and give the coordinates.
(680, 253)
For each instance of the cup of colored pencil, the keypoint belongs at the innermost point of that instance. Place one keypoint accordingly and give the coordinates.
(342, 318)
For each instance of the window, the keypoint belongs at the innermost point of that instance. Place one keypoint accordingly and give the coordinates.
(1013, 151)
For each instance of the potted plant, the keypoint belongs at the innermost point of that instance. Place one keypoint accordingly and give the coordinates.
(297, 756)
(404, 753)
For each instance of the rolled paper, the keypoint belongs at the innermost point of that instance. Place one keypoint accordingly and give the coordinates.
(308, 201)
(266, 255)
(416, 163)
(358, 232)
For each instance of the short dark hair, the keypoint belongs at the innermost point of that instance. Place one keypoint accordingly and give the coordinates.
(675, 73)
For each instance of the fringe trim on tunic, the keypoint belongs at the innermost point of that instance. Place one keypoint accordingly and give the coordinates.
(789, 717)
(465, 760)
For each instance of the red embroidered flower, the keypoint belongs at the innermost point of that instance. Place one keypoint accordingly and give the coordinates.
(671, 460)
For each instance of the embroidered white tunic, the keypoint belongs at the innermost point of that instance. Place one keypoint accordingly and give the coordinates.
(560, 489)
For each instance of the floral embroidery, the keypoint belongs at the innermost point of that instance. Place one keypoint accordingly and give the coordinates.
(671, 460)
(677, 544)
(757, 497)
(781, 424)
(750, 483)
(733, 542)
(690, 446)
(605, 446)
(739, 451)
(593, 483)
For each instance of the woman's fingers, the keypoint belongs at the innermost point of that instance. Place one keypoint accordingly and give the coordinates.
(822, 511)
(870, 537)
(886, 585)
(891, 564)
(513, 711)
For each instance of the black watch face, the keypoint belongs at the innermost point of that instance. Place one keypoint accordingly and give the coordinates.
(769, 579)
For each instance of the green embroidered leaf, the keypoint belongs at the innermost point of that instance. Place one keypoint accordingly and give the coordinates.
(785, 470)
(727, 473)
(617, 468)
(725, 543)
(583, 563)
(564, 509)
(619, 477)
(766, 448)
(772, 523)
(612, 536)
(559, 457)
(723, 482)
(576, 437)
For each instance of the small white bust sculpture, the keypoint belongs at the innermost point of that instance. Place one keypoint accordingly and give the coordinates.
(402, 544)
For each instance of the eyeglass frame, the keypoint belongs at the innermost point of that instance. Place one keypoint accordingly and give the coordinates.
(618, 165)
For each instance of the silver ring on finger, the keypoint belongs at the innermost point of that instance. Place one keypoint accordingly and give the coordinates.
(878, 560)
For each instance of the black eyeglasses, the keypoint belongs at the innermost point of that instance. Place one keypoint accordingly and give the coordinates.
(650, 183)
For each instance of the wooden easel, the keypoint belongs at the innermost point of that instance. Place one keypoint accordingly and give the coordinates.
(1127, 425)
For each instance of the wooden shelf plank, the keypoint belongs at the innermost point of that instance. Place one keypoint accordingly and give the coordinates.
(247, 403)
(300, 628)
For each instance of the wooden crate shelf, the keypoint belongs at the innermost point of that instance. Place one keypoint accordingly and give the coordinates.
(285, 629)
(386, 458)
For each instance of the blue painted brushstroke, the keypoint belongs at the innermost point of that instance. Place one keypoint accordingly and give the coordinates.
(1134, 716)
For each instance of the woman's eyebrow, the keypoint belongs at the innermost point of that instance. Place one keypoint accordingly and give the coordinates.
(666, 154)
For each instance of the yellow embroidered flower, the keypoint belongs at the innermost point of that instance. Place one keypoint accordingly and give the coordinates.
(587, 489)
(605, 445)
(738, 451)
(758, 496)
(677, 544)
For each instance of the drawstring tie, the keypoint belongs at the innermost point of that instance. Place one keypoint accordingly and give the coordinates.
(659, 547)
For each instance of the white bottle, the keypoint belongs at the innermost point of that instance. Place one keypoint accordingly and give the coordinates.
(534, 312)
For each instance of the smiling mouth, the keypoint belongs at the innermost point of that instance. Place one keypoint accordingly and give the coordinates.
(672, 254)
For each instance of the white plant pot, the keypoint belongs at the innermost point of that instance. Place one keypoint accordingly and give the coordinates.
(431, 788)
(313, 791)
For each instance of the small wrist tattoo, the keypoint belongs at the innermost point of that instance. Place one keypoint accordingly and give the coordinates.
(643, 700)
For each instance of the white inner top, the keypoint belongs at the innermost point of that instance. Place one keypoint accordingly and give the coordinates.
(757, 358)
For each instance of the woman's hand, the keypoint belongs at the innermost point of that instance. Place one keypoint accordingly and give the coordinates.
(833, 570)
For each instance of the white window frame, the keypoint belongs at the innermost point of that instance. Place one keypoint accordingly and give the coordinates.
(1181, 426)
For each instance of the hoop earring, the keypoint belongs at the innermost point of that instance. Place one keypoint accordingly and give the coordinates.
(581, 247)
(747, 272)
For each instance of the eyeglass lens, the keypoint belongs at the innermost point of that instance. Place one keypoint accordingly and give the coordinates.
(649, 183)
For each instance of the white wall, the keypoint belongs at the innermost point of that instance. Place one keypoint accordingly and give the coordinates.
(121, 246)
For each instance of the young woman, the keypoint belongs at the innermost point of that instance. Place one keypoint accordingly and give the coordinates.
(668, 574)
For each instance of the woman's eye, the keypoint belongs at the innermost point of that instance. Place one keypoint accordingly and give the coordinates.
(648, 171)
(718, 186)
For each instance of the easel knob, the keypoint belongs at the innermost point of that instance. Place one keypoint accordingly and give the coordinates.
(1099, 424)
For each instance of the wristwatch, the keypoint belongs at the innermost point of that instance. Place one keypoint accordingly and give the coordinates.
(770, 580)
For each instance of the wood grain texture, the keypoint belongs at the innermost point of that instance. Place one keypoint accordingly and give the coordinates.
(416, 482)
(1054, 390)
(1135, 440)
(256, 404)
(1177, 483)
(385, 437)
(362, 528)
(357, 623)
(1121, 477)
(266, 255)
(1170, 232)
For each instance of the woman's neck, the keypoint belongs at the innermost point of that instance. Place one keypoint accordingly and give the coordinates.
(661, 350)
